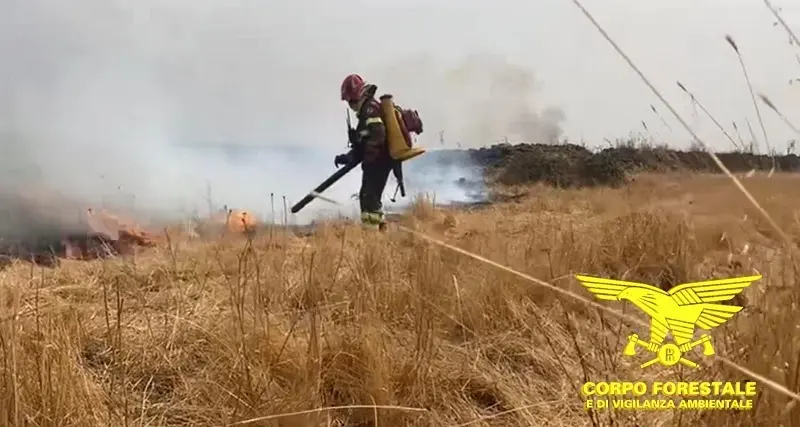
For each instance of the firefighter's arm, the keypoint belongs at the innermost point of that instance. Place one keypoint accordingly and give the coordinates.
(373, 136)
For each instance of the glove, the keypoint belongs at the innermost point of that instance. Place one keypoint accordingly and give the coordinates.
(341, 160)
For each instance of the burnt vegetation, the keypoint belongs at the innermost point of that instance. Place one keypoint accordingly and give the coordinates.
(575, 166)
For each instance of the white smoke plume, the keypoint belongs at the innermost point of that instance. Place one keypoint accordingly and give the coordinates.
(167, 107)
(475, 100)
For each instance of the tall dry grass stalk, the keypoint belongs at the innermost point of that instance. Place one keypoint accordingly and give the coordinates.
(350, 327)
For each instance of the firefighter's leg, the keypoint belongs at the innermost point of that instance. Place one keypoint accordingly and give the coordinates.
(373, 182)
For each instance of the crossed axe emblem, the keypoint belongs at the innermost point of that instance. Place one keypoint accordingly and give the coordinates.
(668, 354)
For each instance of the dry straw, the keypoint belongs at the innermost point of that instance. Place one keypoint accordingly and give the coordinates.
(735, 47)
(764, 380)
(774, 385)
(772, 106)
(710, 116)
(782, 22)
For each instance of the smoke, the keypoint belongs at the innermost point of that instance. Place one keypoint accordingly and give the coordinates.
(175, 107)
(476, 100)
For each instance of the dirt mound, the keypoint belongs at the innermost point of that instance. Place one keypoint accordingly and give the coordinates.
(569, 165)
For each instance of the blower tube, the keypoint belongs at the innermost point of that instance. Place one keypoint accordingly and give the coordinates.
(324, 185)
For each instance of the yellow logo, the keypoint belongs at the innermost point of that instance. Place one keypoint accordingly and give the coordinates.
(677, 312)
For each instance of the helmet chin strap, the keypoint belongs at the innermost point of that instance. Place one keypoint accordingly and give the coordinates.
(367, 92)
(357, 107)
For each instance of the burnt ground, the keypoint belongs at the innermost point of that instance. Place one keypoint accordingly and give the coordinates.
(44, 229)
(571, 166)
(48, 249)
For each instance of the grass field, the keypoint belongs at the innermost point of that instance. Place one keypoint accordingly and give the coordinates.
(226, 330)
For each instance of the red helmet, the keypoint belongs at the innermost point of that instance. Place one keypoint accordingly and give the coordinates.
(352, 88)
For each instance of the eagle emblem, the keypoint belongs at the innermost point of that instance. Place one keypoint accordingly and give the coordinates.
(678, 312)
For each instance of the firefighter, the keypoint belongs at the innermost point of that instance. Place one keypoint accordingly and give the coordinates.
(370, 146)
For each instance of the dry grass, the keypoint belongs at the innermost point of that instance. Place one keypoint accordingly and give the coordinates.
(218, 332)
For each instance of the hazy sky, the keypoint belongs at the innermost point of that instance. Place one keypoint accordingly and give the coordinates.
(269, 72)
(89, 81)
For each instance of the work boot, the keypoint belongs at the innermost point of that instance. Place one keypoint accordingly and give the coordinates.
(372, 221)
(382, 226)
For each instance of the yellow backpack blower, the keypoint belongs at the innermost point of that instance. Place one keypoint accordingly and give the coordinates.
(397, 132)
(399, 124)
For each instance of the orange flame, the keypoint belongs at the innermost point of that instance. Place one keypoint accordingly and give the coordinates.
(237, 220)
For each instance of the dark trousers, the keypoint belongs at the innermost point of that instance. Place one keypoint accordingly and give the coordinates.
(373, 182)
